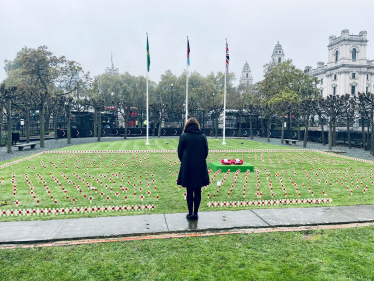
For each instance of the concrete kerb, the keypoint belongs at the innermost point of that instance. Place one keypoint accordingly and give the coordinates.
(173, 231)
(182, 235)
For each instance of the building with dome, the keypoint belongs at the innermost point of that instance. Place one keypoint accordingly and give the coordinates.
(348, 71)
(246, 77)
(278, 54)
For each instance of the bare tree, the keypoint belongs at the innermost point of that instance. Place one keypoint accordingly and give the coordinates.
(127, 108)
(159, 109)
(6, 97)
(332, 108)
(98, 105)
(57, 109)
(348, 104)
(366, 104)
(307, 109)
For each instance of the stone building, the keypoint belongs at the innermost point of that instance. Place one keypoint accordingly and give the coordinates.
(347, 70)
(278, 54)
(246, 77)
(112, 71)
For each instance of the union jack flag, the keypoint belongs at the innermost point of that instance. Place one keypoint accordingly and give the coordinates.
(188, 52)
(227, 58)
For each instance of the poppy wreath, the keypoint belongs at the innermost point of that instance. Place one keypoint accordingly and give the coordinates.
(237, 162)
(226, 161)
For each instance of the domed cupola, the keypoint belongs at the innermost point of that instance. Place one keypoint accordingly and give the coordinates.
(278, 54)
(246, 77)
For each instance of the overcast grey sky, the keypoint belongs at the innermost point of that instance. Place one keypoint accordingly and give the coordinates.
(87, 31)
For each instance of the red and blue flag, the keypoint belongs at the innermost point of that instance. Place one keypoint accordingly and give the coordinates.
(227, 58)
(188, 52)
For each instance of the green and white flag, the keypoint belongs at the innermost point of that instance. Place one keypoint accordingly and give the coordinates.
(148, 56)
(148, 65)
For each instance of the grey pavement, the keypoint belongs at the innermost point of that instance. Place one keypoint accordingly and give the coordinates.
(107, 227)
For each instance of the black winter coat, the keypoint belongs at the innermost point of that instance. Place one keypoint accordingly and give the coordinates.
(192, 152)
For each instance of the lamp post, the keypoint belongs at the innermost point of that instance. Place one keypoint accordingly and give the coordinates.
(79, 115)
(214, 117)
(22, 123)
(172, 94)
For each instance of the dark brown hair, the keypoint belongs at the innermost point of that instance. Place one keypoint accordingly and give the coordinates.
(191, 121)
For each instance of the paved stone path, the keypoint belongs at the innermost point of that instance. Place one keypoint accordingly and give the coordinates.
(107, 227)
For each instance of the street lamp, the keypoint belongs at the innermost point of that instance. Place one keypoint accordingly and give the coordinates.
(214, 116)
(172, 94)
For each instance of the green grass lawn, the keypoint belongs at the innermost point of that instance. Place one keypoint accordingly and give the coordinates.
(343, 254)
(14, 159)
(161, 144)
(171, 144)
(53, 178)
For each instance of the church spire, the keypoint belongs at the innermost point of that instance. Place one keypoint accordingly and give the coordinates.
(112, 71)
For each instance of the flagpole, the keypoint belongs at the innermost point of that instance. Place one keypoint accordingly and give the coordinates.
(146, 126)
(187, 91)
(224, 102)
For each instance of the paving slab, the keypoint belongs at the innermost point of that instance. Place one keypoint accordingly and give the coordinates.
(305, 216)
(362, 213)
(111, 226)
(214, 220)
(24, 231)
(104, 227)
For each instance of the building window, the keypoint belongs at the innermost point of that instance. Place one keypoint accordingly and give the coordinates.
(367, 89)
(246, 75)
(336, 56)
(321, 81)
(367, 77)
(354, 54)
(334, 76)
(321, 92)
(353, 90)
(334, 91)
(353, 75)
(247, 83)
(279, 60)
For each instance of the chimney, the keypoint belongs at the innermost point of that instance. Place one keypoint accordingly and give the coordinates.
(320, 64)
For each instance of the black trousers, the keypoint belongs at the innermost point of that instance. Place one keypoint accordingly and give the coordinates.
(193, 200)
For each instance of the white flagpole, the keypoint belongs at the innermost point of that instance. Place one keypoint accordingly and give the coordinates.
(146, 126)
(224, 101)
(187, 90)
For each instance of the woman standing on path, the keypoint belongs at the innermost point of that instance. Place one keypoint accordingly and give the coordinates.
(193, 173)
